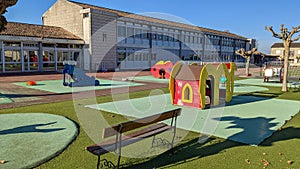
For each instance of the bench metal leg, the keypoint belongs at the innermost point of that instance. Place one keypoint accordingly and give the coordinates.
(153, 141)
(98, 162)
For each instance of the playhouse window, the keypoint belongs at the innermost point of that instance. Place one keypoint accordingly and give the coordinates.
(187, 93)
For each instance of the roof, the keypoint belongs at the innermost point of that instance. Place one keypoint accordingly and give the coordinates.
(280, 45)
(40, 31)
(189, 72)
(160, 21)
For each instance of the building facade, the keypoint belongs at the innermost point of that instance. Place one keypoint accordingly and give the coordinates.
(27, 48)
(117, 40)
(278, 49)
(105, 39)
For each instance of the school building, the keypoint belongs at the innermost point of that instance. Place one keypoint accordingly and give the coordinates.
(100, 39)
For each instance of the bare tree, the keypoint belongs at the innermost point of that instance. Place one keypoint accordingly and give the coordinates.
(287, 38)
(247, 55)
(3, 5)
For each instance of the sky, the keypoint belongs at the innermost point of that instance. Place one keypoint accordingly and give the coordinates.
(245, 18)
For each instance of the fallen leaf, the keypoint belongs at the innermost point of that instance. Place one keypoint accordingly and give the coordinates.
(266, 163)
(247, 161)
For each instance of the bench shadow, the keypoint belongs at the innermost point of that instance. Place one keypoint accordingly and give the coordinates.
(30, 129)
(194, 150)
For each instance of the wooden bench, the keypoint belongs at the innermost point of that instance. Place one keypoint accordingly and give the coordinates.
(123, 134)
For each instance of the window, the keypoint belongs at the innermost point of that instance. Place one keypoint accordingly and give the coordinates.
(104, 37)
(121, 31)
(187, 93)
(11, 43)
(138, 33)
(153, 57)
(277, 51)
(145, 56)
(121, 56)
(130, 32)
(137, 57)
(85, 15)
(160, 37)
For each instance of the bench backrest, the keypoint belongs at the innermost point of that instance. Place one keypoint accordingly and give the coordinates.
(134, 124)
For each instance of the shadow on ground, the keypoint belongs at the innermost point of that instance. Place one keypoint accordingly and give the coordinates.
(193, 149)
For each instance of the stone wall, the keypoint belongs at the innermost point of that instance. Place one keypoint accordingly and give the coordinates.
(66, 15)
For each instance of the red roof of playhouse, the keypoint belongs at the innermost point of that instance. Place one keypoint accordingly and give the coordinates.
(188, 72)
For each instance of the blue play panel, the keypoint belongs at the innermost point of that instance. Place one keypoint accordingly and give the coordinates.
(246, 119)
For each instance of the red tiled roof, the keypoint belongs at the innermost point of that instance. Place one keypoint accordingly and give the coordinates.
(280, 45)
(160, 21)
(41, 31)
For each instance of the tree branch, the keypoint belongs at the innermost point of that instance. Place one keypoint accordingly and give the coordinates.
(270, 29)
(296, 39)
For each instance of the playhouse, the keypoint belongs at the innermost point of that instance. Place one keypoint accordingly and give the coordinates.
(200, 85)
(162, 69)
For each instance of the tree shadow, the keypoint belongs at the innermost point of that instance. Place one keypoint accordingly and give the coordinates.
(30, 129)
(31, 95)
(244, 99)
(109, 85)
(193, 149)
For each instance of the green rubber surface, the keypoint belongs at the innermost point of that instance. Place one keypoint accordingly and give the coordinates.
(29, 139)
(248, 89)
(149, 79)
(56, 86)
(246, 119)
(259, 82)
(4, 99)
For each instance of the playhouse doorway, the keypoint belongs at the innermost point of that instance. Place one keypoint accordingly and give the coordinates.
(209, 94)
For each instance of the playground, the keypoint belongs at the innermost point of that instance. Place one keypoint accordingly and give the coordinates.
(258, 128)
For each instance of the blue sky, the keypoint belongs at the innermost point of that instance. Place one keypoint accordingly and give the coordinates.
(236, 16)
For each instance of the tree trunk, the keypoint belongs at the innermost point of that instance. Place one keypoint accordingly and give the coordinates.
(248, 65)
(285, 66)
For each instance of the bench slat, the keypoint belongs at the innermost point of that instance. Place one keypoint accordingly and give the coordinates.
(134, 124)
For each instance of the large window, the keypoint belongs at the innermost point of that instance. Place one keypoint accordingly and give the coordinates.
(61, 57)
(30, 60)
(12, 60)
(48, 60)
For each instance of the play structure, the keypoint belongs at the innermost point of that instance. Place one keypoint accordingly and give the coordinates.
(162, 69)
(201, 85)
(77, 77)
(270, 72)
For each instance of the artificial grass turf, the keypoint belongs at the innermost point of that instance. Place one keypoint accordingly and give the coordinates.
(30, 139)
(214, 153)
